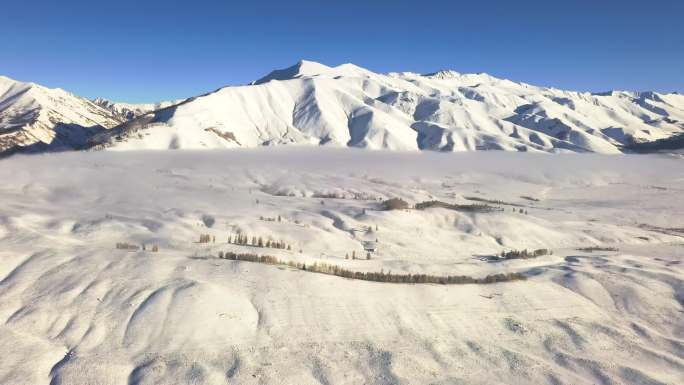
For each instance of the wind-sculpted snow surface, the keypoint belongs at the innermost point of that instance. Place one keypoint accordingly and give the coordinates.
(75, 309)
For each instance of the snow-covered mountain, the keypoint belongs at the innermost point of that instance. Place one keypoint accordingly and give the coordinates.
(36, 118)
(313, 104)
(310, 103)
(128, 111)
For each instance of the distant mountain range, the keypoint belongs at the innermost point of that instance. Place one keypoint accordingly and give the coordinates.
(313, 104)
(129, 111)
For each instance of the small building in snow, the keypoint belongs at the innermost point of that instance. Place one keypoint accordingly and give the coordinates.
(370, 246)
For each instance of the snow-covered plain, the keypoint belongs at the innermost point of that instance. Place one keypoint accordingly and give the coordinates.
(76, 310)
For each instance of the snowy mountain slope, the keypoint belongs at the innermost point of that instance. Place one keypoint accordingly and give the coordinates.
(38, 118)
(128, 111)
(314, 104)
(310, 103)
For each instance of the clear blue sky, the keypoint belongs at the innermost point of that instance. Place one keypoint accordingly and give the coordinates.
(142, 51)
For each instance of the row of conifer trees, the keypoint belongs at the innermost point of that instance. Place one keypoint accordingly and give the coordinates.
(524, 254)
(246, 240)
(131, 247)
(325, 268)
(206, 238)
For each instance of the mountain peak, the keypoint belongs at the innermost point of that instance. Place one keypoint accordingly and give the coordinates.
(443, 74)
(453, 75)
(351, 69)
(301, 69)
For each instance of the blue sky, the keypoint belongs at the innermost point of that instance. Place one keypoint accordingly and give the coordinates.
(152, 50)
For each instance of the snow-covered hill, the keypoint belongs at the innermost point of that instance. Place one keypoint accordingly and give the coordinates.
(36, 118)
(310, 103)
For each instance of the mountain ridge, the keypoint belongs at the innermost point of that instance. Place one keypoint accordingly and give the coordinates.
(314, 104)
(36, 118)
